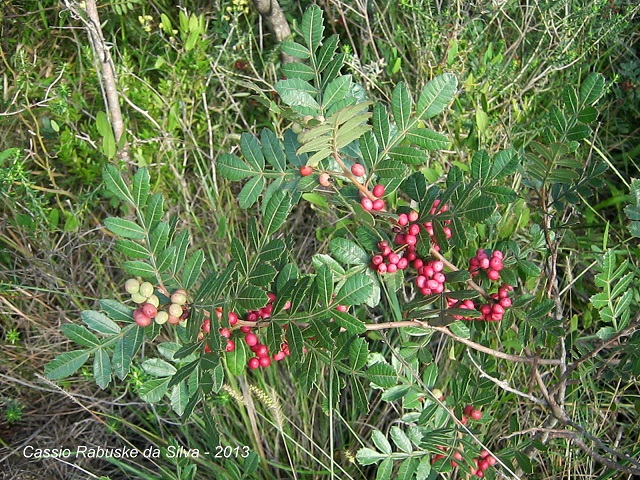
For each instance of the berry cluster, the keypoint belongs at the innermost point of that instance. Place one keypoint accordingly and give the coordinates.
(224, 331)
(436, 209)
(143, 293)
(377, 204)
(493, 312)
(388, 261)
(470, 412)
(492, 265)
(483, 462)
(461, 304)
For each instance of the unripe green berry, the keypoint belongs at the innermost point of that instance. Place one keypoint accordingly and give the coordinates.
(175, 310)
(161, 318)
(296, 128)
(154, 300)
(137, 298)
(146, 289)
(179, 297)
(132, 286)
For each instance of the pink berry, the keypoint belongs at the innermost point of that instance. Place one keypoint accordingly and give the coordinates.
(392, 268)
(245, 329)
(253, 363)
(357, 169)
(367, 204)
(414, 229)
(476, 415)
(233, 318)
(278, 356)
(410, 239)
(378, 191)
(413, 216)
(324, 179)
(251, 339)
(264, 361)
(393, 258)
(505, 302)
(382, 268)
(206, 326)
(403, 263)
(306, 170)
(493, 275)
(495, 264)
(378, 204)
(149, 310)
(140, 318)
(231, 346)
(377, 260)
(225, 332)
(341, 308)
(403, 219)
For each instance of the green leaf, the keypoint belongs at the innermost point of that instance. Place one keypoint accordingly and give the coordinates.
(233, 168)
(273, 337)
(480, 208)
(252, 298)
(295, 92)
(385, 469)
(153, 390)
(158, 367)
(295, 340)
(124, 350)
(115, 184)
(276, 212)
(132, 249)
(382, 374)
(252, 151)
(480, 165)
(179, 397)
(158, 238)
(578, 132)
(125, 228)
(380, 441)
(401, 106)
(251, 191)
(592, 89)
(347, 321)
(436, 95)
(326, 54)
(102, 368)
(262, 275)
(99, 322)
(367, 456)
(460, 329)
(587, 115)
(237, 359)
(348, 252)
(65, 364)
(153, 211)
(138, 268)
(570, 98)
(336, 91)
(368, 148)
(298, 70)
(272, 150)
(358, 353)
(116, 311)
(390, 169)
(408, 155)
(192, 269)
(381, 125)
(295, 49)
(181, 244)
(167, 256)
(272, 251)
(428, 139)
(415, 186)
(505, 163)
(80, 335)
(312, 27)
(324, 284)
(407, 469)
(355, 290)
(400, 439)
(141, 187)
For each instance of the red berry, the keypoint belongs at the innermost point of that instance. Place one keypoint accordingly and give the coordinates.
(206, 326)
(382, 268)
(264, 361)
(278, 356)
(378, 191)
(392, 268)
(483, 464)
(476, 414)
(403, 263)
(245, 329)
(207, 349)
(403, 219)
(231, 346)
(493, 275)
(341, 308)
(233, 318)
(149, 310)
(377, 260)
(140, 318)
(260, 350)
(378, 204)
(367, 204)
(495, 264)
(225, 332)
(251, 339)
(253, 363)
(468, 409)
(306, 170)
(410, 239)
(357, 169)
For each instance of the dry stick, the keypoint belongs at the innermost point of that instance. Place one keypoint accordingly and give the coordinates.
(107, 69)
(276, 22)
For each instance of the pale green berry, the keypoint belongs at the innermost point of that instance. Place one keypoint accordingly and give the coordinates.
(137, 298)
(132, 286)
(161, 318)
(179, 297)
(154, 300)
(146, 289)
(175, 310)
